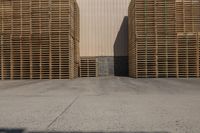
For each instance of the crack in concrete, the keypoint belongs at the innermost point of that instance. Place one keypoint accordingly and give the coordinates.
(65, 110)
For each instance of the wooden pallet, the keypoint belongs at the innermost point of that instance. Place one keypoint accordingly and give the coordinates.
(39, 39)
(88, 67)
(188, 12)
(188, 55)
(154, 37)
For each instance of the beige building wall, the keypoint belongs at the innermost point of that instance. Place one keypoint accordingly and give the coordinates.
(104, 27)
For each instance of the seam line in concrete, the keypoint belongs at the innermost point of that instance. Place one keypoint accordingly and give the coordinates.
(65, 110)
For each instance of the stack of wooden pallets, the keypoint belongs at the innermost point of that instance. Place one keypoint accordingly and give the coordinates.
(88, 67)
(188, 54)
(38, 39)
(188, 29)
(163, 38)
(76, 40)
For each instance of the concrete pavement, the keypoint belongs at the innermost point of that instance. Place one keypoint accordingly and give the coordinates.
(106, 104)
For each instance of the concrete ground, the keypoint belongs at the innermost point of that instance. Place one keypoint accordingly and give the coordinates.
(107, 104)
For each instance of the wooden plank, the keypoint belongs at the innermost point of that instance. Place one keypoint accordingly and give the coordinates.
(30, 45)
(2, 70)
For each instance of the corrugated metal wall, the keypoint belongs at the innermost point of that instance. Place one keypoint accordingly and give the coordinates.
(104, 27)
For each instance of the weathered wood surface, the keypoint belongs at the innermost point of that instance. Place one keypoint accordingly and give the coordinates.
(39, 39)
(164, 38)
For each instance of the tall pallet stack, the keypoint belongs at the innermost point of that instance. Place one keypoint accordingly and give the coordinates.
(164, 38)
(76, 40)
(188, 29)
(37, 39)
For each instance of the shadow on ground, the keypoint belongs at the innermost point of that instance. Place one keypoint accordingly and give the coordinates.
(6, 130)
